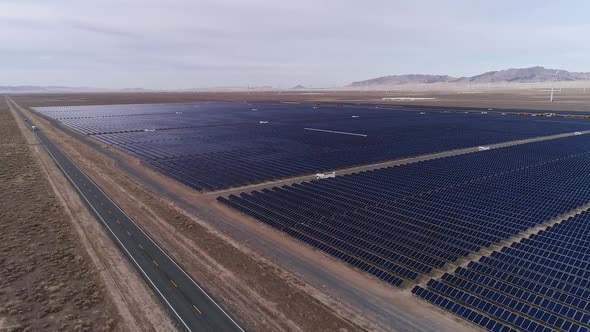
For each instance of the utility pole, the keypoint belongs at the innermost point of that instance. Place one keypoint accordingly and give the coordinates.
(553, 85)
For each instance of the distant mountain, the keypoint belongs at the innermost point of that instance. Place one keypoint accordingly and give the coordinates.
(298, 87)
(402, 79)
(526, 75)
(520, 75)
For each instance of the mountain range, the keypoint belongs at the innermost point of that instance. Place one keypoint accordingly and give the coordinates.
(519, 75)
(512, 75)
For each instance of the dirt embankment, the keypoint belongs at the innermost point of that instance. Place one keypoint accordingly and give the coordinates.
(47, 282)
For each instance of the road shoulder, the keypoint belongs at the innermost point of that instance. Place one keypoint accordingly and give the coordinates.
(138, 308)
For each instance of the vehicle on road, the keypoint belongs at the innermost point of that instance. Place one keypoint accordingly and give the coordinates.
(320, 176)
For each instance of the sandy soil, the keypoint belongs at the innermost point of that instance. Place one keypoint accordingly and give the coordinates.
(571, 99)
(47, 281)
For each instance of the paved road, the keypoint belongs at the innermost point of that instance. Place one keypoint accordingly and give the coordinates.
(186, 301)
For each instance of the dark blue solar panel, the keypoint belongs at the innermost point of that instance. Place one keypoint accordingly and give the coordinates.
(395, 223)
(542, 280)
(410, 219)
(210, 146)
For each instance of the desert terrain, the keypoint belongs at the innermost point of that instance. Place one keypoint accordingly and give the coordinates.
(47, 280)
(573, 96)
(243, 263)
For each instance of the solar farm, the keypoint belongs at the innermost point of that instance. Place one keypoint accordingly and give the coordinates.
(443, 228)
(211, 146)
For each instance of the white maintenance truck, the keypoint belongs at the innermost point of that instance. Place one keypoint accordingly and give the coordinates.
(320, 176)
(34, 128)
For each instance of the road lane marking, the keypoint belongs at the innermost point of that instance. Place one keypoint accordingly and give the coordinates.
(172, 281)
(128, 233)
(155, 263)
(197, 309)
(140, 247)
(127, 251)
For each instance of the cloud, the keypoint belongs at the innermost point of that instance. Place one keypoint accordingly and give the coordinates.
(187, 43)
(102, 29)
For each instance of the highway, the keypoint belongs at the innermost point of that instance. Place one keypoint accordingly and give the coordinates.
(185, 300)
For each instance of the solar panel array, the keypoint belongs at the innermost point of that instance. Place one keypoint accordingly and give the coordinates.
(485, 109)
(210, 146)
(401, 222)
(396, 223)
(541, 283)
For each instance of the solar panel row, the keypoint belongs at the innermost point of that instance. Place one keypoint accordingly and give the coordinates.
(481, 109)
(542, 281)
(410, 219)
(463, 311)
(210, 146)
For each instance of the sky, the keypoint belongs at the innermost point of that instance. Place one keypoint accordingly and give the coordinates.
(182, 44)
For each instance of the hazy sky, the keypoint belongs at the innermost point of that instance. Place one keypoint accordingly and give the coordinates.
(196, 43)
